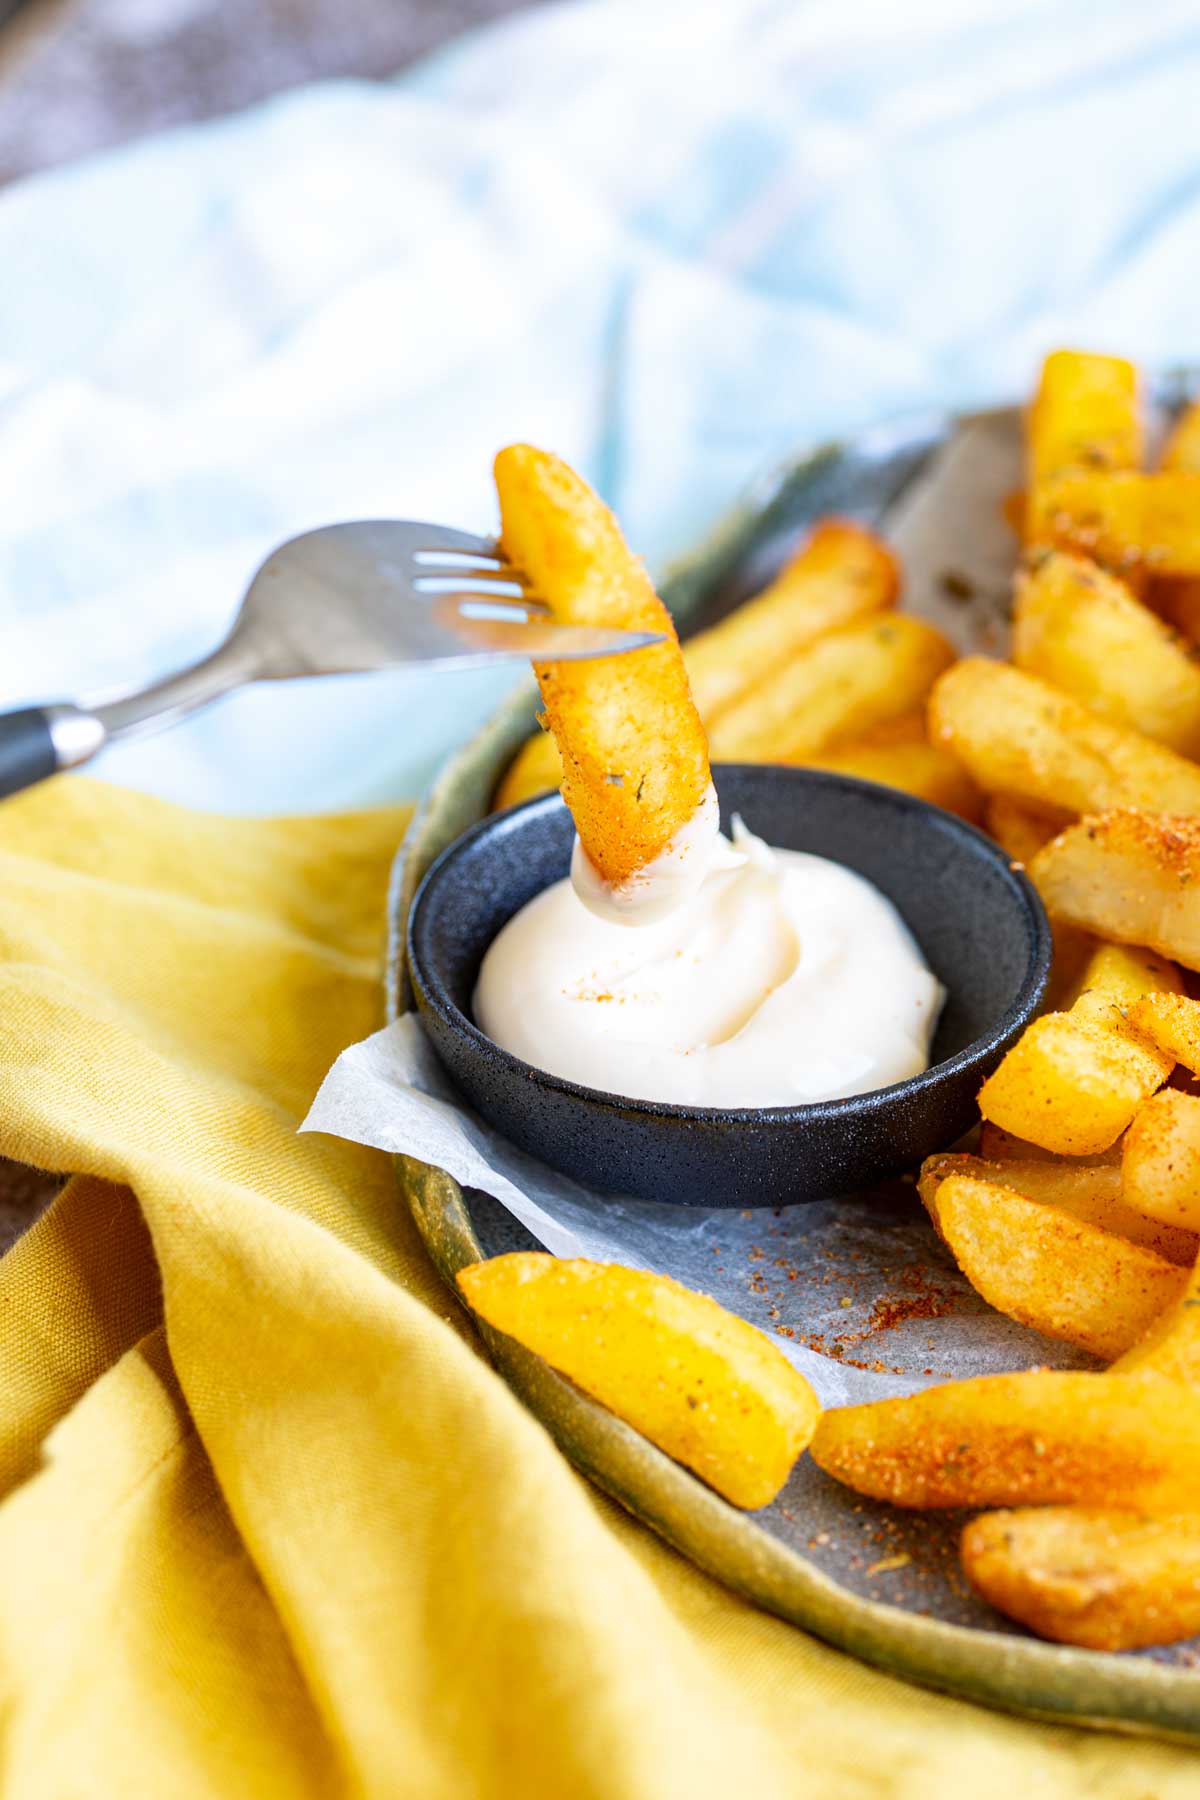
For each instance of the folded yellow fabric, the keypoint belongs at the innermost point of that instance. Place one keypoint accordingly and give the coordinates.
(297, 1539)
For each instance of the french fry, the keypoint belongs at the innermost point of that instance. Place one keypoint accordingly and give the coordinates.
(1171, 1347)
(634, 754)
(1129, 875)
(1022, 833)
(998, 1145)
(1100, 1578)
(1114, 1582)
(1080, 629)
(843, 573)
(1104, 1579)
(535, 769)
(706, 1387)
(1042, 1437)
(1182, 448)
(843, 686)
(1060, 1275)
(1160, 1166)
(916, 767)
(1171, 1021)
(1019, 830)
(1087, 1191)
(1018, 736)
(1133, 523)
(1074, 1079)
(1176, 597)
(1085, 414)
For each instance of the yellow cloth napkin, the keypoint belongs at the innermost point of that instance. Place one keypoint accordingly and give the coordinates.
(271, 1526)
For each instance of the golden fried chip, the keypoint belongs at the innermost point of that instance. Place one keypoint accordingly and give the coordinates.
(842, 574)
(1080, 629)
(1094, 1576)
(1130, 875)
(998, 1145)
(1171, 1021)
(919, 768)
(1085, 414)
(1018, 829)
(1018, 736)
(843, 686)
(633, 747)
(535, 769)
(1160, 1166)
(1060, 1275)
(1042, 1437)
(1177, 597)
(1089, 1191)
(1129, 522)
(702, 1384)
(1074, 1079)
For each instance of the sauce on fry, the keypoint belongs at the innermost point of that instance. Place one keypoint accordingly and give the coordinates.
(783, 978)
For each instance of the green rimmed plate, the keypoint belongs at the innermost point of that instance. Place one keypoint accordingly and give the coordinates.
(879, 1584)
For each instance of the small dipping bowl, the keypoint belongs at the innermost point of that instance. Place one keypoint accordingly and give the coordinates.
(978, 921)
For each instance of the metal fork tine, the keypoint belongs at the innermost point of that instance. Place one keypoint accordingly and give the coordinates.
(548, 642)
(518, 606)
(432, 581)
(486, 555)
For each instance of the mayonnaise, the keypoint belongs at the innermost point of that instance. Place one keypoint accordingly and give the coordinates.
(779, 978)
(665, 884)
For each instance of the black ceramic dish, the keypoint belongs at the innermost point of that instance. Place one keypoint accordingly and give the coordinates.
(979, 923)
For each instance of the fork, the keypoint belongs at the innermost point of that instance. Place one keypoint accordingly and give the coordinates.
(374, 594)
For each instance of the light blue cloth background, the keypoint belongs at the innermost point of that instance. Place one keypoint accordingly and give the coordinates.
(671, 239)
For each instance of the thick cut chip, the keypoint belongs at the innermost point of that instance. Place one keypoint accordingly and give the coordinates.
(844, 573)
(1178, 600)
(1058, 1274)
(1131, 523)
(1042, 1437)
(634, 755)
(1089, 1191)
(915, 766)
(1182, 448)
(1171, 1347)
(1101, 1578)
(1160, 1167)
(998, 1145)
(1130, 875)
(1018, 736)
(1018, 829)
(843, 686)
(1171, 1021)
(702, 1384)
(1068, 1088)
(1080, 629)
(1074, 1079)
(1176, 597)
(1105, 1580)
(1085, 414)
(535, 769)
(1022, 832)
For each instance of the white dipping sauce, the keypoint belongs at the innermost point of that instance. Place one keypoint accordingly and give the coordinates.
(781, 978)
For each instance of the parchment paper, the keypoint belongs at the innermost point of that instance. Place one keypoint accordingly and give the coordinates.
(858, 1293)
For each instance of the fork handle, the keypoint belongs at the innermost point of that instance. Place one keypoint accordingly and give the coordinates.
(38, 741)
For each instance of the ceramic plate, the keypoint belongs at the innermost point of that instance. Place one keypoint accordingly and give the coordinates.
(879, 1583)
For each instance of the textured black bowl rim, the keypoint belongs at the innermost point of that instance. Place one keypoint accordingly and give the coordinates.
(856, 1106)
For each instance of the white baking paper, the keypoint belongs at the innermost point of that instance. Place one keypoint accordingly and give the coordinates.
(858, 1294)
